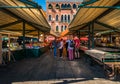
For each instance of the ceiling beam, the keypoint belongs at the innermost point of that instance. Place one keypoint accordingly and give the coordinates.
(108, 26)
(10, 24)
(18, 30)
(19, 18)
(106, 12)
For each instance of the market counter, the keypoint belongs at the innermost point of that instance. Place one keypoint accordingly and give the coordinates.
(35, 52)
(27, 53)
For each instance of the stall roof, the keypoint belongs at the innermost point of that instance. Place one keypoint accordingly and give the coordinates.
(107, 18)
(14, 12)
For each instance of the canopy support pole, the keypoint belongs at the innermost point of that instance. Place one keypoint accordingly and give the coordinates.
(38, 35)
(93, 44)
(89, 36)
(1, 49)
(9, 53)
(24, 35)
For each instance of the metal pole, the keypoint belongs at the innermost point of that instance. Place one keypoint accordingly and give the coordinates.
(1, 49)
(93, 44)
(9, 53)
(38, 35)
(89, 36)
(23, 35)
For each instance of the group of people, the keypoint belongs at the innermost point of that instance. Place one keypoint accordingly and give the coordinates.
(67, 48)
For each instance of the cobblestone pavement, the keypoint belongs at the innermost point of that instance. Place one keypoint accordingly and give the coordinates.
(49, 70)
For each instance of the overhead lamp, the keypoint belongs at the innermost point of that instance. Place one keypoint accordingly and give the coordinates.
(41, 35)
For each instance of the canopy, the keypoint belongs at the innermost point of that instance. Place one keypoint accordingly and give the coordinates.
(102, 18)
(16, 12)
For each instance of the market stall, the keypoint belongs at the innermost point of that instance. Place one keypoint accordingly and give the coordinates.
(20, 18)
(101, 28)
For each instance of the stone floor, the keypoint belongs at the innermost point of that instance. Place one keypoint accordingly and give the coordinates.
(49, 70)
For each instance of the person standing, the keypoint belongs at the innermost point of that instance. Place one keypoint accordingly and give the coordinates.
(70, 48)
(61, 47)
(54, 44)
(77, 45)
(64, 50)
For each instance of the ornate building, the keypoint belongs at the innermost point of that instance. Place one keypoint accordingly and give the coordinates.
(60, 13)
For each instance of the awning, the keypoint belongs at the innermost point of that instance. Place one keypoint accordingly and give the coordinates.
(12, 16)
(103, 18)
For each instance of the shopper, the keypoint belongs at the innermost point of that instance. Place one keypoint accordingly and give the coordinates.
(61, 48)
(70, 47)
(64, 50)
(54, 45)
(77, 45)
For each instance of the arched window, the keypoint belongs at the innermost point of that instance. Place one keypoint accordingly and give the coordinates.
(50, 17)
(65, 27)
(65, 6)
(49, 6)
(62, 18)
(74, 6)
(68, 18)
(69, 6)
(65, 18)
(61, 28)
(57, 28)
(57, 6)
(62, 6)
(57, 18)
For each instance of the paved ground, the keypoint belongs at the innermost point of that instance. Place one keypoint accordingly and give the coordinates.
(48, 70)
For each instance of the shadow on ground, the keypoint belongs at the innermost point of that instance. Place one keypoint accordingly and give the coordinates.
(51, 70)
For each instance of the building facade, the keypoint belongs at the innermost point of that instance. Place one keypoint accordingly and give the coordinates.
(60, 13)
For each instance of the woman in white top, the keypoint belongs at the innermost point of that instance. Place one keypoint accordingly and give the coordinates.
(70, 48)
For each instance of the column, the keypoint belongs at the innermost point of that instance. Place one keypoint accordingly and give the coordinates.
(89, 36)
(93, 44)
(38, 35)
(23, 35)
(0, 49)
(9, 53)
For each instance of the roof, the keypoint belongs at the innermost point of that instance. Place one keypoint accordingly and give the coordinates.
(15, 12)
(103, 18)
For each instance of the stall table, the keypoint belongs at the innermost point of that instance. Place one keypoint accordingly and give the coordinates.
(111, 61)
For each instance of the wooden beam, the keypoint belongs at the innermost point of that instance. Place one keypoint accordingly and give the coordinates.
(19, 30)
(108, 26)
(10, 24)
(106, 12)
(19, 18)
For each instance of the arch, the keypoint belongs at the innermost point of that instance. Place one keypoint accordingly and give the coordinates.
(62, 6)
(69, 6)
(65, 27)
(50, 6)
(74, 6)
(57, 6)
(68, 18)
(57, 18)
(50, 17)
(62, 28)
(57, 28)
(65, 18)
(61, 18)
(65, 5)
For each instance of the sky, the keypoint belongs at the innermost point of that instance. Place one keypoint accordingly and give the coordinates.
(42, 3)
